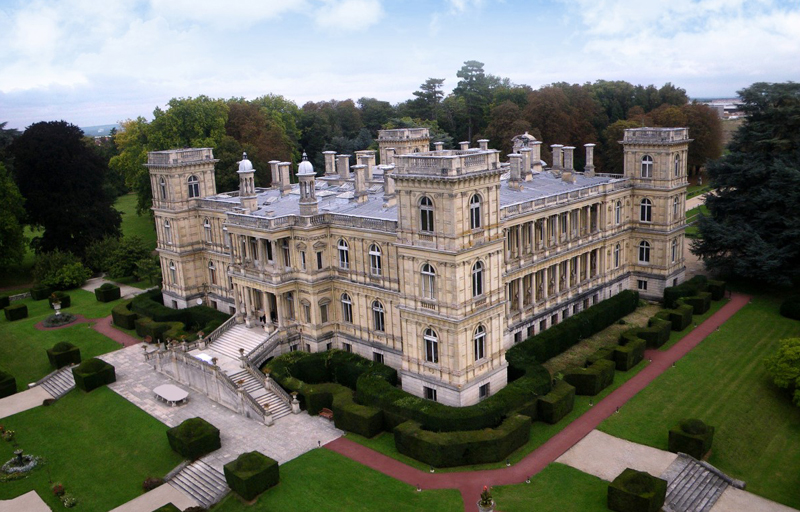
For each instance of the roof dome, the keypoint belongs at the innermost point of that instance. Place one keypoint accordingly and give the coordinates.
(245, 165)
(305, 168)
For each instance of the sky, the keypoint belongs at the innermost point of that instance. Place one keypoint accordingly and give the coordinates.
(94, 62)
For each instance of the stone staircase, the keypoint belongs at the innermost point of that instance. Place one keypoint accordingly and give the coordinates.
(59, 383)
(694, 486)
(202, 482)
(264, 397)
(238, 336)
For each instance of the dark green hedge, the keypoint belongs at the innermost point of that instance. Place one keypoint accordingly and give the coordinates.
(92, 374)
(194, 438)
(169, 507)
(655, 335)
(628, 353)
(5, 301)
(251, 474)
(791, 307)
(15, 312)
(636, 491)
(8, 384)
(692, 437)
(62, 297)
(123, 316)
(107, 292)
(717, 289)
(63, 354)
(680, 317)
(449, 449)
(686, 289)
(195, 318)
(40, 292)
(591, 380)
(158, 331)
(700, 302)
(557, 403)
(560, 337)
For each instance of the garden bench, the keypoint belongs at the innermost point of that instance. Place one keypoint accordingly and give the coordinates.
(326, 413)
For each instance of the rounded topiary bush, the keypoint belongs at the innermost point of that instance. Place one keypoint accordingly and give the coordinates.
(40, 292)
(93, 373)
(194, 438)
(107, 292)
(251, 474)
(636, 491)
(791, 307)
(8, 384)
(692, 437)
(63, 354)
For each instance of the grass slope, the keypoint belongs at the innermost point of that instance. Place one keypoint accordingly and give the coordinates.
(133, 224)
(22, 346)
(98, 445)
(324, 480)
(724, 383)
(557, 488)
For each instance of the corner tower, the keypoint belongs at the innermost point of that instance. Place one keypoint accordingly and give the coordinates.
(403, 141)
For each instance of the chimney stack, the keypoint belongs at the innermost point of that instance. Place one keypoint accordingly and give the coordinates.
(388, 185)
(438, 146)
(343, 167)
(366, 157)
(515, 181)
(330, 162)
(527, 175)
(284, 169)
(568, 158)
(464, 145)
(359, 172)
(536, 156)
(483, 144)
(589, 169)
(274, 174)
(390, 152)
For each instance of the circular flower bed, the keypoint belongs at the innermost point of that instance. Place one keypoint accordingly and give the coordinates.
(59, 320)
(20, 464)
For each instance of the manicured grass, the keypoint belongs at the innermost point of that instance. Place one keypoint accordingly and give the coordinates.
(696, 190)
(692, 215)
(557, 488)
(98, 445)
(138, 225)
(22, 349)
(723, 382)
(676, 336)
(144, 284)
(324, 480)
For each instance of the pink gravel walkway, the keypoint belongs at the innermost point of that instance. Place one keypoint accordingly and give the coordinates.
(101, 325)
(470, 483)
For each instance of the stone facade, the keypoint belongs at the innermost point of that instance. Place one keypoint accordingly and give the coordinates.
(434, 262)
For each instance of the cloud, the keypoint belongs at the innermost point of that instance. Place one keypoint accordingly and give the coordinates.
(458, 6)
(348, 15)
(227, 15)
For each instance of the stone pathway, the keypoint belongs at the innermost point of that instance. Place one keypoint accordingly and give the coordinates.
(126, 292)
(28, 502)
(22, 401)
(156, 499)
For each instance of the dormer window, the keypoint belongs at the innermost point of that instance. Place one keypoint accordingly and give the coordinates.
(194, 187)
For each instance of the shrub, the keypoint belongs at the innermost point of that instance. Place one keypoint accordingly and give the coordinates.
(107, 292)
(700, 302)
(16, 312)
(251, 474)
(169, 507)
(558, 403)
(92, 374)
(686, 289)
(692, 437)
(99, 254)
(130, 250)
(591, 380)
(449, 449)
(41, 292)
(47, 264)
(67, 277)
(59, 320)
(151, 483)
(63, 354)
(197, 318)
(8, 384)
(784, 367)
(61, 297)
(628, 353)
(680, 317)
(717, 289)
(194, 438)
(156, 330)
(636, 491)
(791, 308)
(123, 316)
(4, 301)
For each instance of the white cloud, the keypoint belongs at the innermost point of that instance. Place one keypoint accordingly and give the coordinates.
(458, 6)
(348, 15)
(228, 15)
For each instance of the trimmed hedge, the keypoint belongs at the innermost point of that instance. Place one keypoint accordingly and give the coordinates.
(700, 302)
(107, 292)
(557, 403)
(717, 289)
(93, 373)
(158, 331)
(40, 292)
(8, 384)
(655, 334)
(628, 353)
(63, 354)
(196, 318)
(251, 474)
(686, 289)
(123, 316)
(194, 438)
(791, 308)
(636, 491)
(591, 380)
(61, 297)
(560, 337)
(16, 312)
(692, 437)
(680, 316)
(5, 301)
(169, 507)
(448, 449)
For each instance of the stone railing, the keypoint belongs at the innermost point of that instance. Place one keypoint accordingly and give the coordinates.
(323, 219)
(179, 156)
(260, 353)
(219, 331)
(656, 135)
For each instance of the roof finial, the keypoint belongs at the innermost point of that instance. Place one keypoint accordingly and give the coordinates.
(305, 157)
(244, 155)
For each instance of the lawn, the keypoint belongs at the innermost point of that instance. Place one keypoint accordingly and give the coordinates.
(557, 488)
(133, 224)
(724, 383)
(324, 480)
(693, 214)
(22, 350)
(19, 276)
(98, 445)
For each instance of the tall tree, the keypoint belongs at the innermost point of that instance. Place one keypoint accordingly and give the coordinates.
(753, 226)
(429, 97)
(188, 123)
(505, 122)
(474, 89)
(61, 180)
(12, 214)
(375, 113)
(132, 144)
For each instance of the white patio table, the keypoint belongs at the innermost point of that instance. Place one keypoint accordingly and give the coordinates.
(171, 394)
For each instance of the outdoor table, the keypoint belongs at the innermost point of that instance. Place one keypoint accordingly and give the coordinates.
(171, 394)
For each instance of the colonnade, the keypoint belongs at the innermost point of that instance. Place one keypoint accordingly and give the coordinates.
(548, 232)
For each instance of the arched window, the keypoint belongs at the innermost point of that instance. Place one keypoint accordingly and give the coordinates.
(377, 316)
(618, 213)
(674, 249)
(375, 264)
(480, 343)
(194, 187)
(167, 232)
(616, 256)
(428, 282)
(647, 166)
(644, 252)
(475, 212)
(207, 230)
(212, 273)
(344, 254)
(646, 210)
(163, 186)
(676, 203)
(477, 279)
(677, 165)
(347, 309)
(173, 273)
(431, 346)
(426, 214)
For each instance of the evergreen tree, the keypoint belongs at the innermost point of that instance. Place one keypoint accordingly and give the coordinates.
(12, 239)
(753, 226)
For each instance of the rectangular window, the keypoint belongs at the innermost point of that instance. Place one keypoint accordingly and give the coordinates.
(517, 336)
(303, 260)
(565, 314)
(554, 319)
(308, 347)
(483, 391)
(323, 313)
(430, 393)
(328, 346)
(319, 260)
(596, 298)
(307, 313)
(377, 357)
(543, 325)
(575, 309)
(293, 348)
(347, 347)
(214, 304)
(530, 331)
(641, 284)
(268, 245)
(174, 304)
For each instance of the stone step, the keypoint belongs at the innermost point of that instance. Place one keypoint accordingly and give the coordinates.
(277, 407)
(202, 482)
(59, 383)
(692, 486)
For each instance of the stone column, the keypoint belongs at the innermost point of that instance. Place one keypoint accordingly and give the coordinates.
(275, 175)
(284, 169)
(247, 307)
(237, 303)
(521, 296)
(515, 181)
(557, 162)
(438, 146)
(589, 168)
